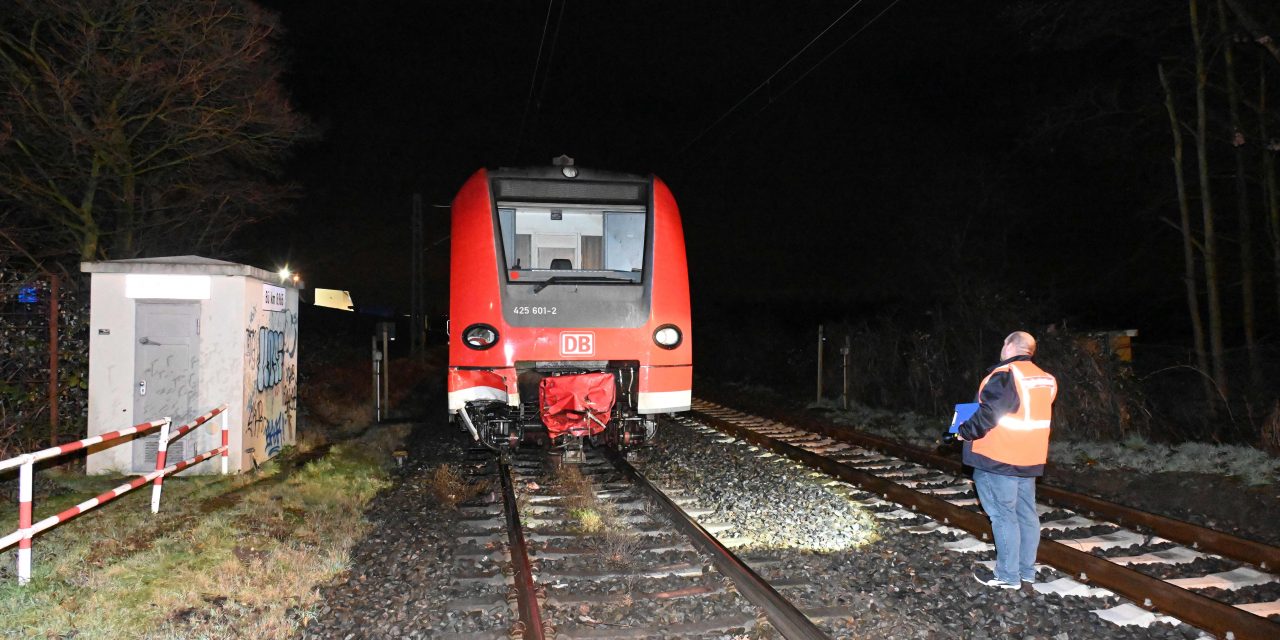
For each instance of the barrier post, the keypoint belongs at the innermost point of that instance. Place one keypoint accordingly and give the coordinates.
(24, 520)
(162, 447)
(226, 448)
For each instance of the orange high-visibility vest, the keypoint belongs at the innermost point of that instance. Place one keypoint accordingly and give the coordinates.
(1021, 438)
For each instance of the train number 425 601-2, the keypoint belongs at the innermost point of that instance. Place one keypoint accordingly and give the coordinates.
(534, 311)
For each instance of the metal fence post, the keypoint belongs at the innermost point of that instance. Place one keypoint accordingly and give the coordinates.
(377, 381)
(53, 360)
(162, 448)
(386, 371)
(24, 519)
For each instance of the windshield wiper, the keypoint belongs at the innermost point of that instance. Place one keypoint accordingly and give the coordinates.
(568, 279)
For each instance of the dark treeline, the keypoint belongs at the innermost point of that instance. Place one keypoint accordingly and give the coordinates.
(1127, 180)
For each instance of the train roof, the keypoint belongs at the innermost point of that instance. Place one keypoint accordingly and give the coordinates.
(556, 172)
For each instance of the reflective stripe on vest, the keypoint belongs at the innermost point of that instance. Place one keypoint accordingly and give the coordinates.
(1021, 438)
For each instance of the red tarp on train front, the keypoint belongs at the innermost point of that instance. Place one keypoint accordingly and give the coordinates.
(566, 401)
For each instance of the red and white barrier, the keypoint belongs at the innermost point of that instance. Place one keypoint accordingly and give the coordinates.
(63, 449)
(26, 466)
(166, 437)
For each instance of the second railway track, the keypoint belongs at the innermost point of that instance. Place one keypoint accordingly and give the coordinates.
(1232, 602)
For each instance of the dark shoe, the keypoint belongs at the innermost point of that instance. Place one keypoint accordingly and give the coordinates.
(986, 577)
(1028, 588)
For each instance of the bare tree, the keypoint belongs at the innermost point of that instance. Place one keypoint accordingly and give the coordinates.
(1255, 29)
(1212, 279)
(1245, 233)
(132, 126)
(1188, 239)
(1270, 190)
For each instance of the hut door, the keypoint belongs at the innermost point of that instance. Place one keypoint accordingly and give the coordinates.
(167, 381)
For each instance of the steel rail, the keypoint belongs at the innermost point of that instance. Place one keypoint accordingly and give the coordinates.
(785, 617)
(1263, 555)
(526, 592)
(1208, 614)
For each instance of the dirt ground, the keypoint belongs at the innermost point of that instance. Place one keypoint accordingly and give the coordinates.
(1214, 501)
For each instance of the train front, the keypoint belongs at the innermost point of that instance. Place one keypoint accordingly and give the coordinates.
(569, 307)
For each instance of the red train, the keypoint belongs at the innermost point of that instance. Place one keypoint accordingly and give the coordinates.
(568, 307)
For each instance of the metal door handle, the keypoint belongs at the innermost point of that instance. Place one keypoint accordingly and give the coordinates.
(142, 387)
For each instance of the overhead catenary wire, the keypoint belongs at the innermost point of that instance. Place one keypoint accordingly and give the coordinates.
(767, 80)
(832, 52)
(777, 96)
(551, 54)
(533, 80)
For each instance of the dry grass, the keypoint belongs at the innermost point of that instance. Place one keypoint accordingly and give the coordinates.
(579, 493)
(613, 540)
(338, 393)
(449, 487)
(617, 546)
(213, 564)
(334, 413)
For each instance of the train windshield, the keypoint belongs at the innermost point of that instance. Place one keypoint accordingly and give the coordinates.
(586, 244)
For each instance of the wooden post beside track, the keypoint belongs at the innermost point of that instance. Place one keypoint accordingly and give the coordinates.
(820, 339)
(844, 353)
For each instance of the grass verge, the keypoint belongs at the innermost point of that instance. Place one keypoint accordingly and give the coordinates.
(236, 557)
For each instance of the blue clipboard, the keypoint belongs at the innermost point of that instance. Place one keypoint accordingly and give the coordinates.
(963, 412)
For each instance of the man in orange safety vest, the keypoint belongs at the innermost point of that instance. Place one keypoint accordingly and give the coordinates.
(1006, 441)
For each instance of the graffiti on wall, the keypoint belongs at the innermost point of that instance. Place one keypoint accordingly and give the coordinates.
(271, 378)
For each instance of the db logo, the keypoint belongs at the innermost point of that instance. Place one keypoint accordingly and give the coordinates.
(577, 344)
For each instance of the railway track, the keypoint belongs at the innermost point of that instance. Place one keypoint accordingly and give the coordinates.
(597, 551)
(1172, 569)
(597, 583)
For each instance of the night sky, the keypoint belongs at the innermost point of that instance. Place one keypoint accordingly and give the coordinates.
(915, 158)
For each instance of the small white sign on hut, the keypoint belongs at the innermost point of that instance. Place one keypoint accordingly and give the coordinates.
(178, 336)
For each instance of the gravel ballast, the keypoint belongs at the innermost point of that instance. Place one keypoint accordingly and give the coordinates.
(890, 579)
(860, 575)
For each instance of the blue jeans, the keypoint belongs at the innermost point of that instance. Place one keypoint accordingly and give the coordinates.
(1010, 502)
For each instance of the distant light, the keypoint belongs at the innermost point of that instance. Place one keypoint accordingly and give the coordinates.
(296, 277)
(284, 273)
(28, 295)
(569, 172)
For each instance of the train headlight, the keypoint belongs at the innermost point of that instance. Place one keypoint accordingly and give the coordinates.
(479, 336)
(667, 336)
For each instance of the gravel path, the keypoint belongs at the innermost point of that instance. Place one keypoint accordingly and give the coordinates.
(401, 571)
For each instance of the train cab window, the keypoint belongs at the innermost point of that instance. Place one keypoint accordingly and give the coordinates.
(595, 242)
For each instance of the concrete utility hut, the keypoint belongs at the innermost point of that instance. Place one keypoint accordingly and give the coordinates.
(178, 336)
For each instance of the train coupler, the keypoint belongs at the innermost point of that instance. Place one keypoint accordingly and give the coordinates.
(572, 450)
